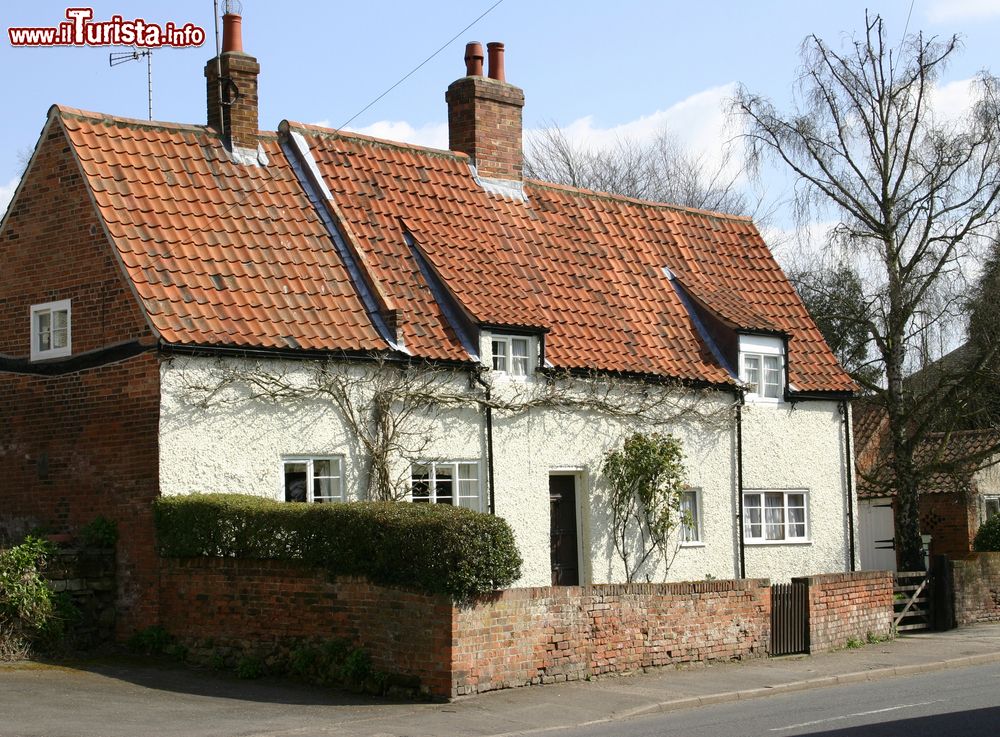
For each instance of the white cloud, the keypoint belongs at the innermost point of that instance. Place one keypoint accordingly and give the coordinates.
(952, 100)
(434, 135)
(6, 192)
(700, 123)
(941, 11)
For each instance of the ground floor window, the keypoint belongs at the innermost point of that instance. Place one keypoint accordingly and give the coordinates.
(690, 517)
(991, 507)
(774, 516)
(447, 482)
(314, 479)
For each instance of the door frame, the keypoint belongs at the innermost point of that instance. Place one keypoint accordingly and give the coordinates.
(580, 490)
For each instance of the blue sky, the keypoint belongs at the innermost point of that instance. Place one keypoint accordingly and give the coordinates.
(599, 69)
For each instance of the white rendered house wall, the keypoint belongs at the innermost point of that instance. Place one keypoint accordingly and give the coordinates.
(238, 446)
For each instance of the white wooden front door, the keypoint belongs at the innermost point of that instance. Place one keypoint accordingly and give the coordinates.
(876, 528)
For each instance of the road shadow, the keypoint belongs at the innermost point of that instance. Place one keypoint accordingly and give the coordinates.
(972, 723)
(164, 675)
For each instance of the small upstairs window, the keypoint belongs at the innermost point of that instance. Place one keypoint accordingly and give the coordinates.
(51, 332)
(762, 367)
(511, 355)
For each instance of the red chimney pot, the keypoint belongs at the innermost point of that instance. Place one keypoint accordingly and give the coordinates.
(495, 49)
(232, 33)
(473, 59)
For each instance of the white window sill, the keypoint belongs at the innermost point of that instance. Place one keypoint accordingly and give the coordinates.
(693, 544)
(772, 401)
(765, 543)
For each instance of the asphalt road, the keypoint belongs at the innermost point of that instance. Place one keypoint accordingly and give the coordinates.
(964, 702)
(122, 698)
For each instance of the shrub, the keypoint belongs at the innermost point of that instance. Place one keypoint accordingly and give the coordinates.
(434, 548)
(249, 668)
(100, 532)
(29, 611)
(988, 538)
(152, 640)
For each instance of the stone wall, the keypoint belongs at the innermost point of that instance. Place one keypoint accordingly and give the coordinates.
(546, 635)
(848, 606)
(88, 578)
(977, 588)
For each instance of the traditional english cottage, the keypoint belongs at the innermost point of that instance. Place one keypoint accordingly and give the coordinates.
(191, 308)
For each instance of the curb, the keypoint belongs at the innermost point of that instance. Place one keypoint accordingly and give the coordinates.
(823, 682)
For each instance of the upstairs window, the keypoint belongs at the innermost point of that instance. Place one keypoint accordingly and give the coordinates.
(762, 367)
(50, 330)
(447, 482)
(762, 375)
(314, 479)
(511, 355)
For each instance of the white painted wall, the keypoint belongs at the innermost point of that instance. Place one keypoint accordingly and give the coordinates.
(236, 445)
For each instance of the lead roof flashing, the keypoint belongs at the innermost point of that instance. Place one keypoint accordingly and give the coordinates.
(507, 188)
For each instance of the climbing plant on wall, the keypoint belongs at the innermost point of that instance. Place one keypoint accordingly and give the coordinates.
(646, 480)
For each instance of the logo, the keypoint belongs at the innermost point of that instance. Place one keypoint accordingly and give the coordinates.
(81, 30)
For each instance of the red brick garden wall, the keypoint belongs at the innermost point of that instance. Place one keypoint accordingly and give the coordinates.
(846, 606)
(977, 588)
(219, 606)
(545, 635)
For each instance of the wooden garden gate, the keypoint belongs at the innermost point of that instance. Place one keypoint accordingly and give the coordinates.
(789, 618)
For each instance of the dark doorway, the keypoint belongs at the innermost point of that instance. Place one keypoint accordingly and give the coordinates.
(565, 555)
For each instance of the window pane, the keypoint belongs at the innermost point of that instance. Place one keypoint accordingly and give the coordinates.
(751, 366)
(44, 331)
(59, 338)
(420, 481)
(690, 522)
(992, 506)
(327, 482)
(752, 528)
(774, 516)
(772, 376)
(295, 481)
(500, 355)
(796, 522)
(444, 483)
(60, 319)
(519, 356)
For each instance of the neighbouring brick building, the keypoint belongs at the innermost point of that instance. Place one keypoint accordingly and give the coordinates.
(155, 273)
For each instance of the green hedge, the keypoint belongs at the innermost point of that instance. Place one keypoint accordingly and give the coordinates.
(988, 538)
(435, 548)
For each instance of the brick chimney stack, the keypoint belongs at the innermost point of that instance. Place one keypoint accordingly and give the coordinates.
(484, 116)
(236, 115)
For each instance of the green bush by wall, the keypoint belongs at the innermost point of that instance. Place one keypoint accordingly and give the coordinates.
(437, 549)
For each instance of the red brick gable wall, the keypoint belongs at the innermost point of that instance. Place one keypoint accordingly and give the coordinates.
(53, 247)
(83, 443)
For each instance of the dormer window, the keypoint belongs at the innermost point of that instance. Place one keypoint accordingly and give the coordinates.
(762, 367)
(50, 330)
(511, 355)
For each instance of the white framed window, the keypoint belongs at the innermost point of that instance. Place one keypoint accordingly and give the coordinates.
(314, 479)
(991, 507)
(691, 517)
(762, 367)
(511, 355)
(51, 330)
(775, 516)
(762, 374)
(447, 482)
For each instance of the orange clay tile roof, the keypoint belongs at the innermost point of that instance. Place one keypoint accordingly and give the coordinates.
(219, 253)
(225, 254)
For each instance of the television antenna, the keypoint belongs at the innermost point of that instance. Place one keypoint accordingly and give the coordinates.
(116, 58)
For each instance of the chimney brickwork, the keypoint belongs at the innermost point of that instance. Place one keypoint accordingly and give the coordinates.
(484, 119)
(238, 119)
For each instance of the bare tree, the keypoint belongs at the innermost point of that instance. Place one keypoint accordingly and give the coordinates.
(660, 170)
(914, 192)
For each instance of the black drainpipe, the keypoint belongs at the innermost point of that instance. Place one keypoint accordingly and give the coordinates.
(489, 437)
(739, 480)
(845, 408)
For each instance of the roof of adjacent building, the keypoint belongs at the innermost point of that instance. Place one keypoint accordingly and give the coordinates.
(395, 239)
